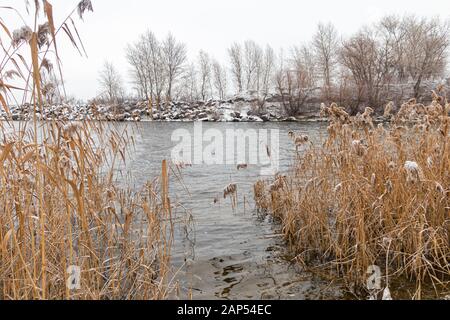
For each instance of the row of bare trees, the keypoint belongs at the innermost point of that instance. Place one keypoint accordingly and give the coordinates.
(364, 69)
(375, 65)
(396, 51)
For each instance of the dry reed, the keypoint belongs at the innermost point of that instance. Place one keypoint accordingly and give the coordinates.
(371, 196)
(60, 202)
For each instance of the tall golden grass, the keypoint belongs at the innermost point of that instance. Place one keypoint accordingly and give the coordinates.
(60, 202)
(371, 195)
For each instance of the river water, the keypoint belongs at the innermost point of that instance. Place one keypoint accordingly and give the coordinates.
(226, 252)
(221, 251)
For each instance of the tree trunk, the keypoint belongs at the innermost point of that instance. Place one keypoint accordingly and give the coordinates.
(417, 87)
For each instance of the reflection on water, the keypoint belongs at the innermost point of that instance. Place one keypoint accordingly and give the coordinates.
(226, 253)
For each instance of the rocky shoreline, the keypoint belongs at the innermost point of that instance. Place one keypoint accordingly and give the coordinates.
(238, 110)
(243, 107)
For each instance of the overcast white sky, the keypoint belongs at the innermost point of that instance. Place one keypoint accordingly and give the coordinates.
(211, 25)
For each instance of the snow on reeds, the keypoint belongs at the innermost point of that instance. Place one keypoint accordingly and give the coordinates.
(60, 206)
(366, 184)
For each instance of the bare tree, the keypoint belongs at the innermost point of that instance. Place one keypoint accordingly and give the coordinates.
(155, 66)
(174, 58)
(138, 71)
(237, 65)
(268, 70)
(220, 79)
(253, 55)
(188, 89)
(426, 45)
(111, 82)
(265, 78)
(370, 61)
(325, 43)
(303, 60)
(149, 69)
(393, 34)
(205, 75)
(294, 84)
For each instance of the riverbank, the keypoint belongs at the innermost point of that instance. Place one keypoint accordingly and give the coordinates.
(243, 107)
(211, 111)
(176, 112)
